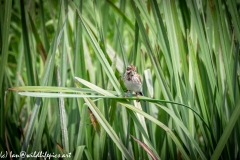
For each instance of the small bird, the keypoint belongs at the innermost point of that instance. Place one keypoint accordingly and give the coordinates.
(132, 80)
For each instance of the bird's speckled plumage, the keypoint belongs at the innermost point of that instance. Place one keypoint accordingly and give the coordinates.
(132, 80)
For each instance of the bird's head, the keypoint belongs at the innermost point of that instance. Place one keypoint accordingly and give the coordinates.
(131, 68)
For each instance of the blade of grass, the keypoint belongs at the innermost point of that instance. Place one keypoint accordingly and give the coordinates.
(162, 34)
(99, 53)
(199, 88)
(46, 42)
(80, 71)
(121, 46)
(63, 118)
(157, 68)
(94, 87)
(125, 18)
(5, 40)
(164, 127)
(234, 15)
(57, 95)
(227, 132)
(146, 148)
(41, 49)
(139, 127)
(47, 78)
(79, 59)
(107, 128)
(28, 53)
(149, 82)
(82, 125)
(158, 72)
(207, 59)
(4, 57)
(54, 89)
(133, 57)
(79, 152)
(179, 123)
(225, 46)
(143, 123)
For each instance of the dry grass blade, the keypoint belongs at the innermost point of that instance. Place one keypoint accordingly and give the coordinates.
(94, 122)
(60, 148)
(146, 148)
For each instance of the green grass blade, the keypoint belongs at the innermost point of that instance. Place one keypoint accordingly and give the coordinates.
(53, 89)
(94, 87)
(227, 132)
(63, 118)
(158, 72)
(143, 132)
(82, 125)
(234, 15)
(46, 41)
(4, 56)
(26, 42)
(5, 35)
(79, 152)
(47, 78)
(225, 47)
(121, 47)
(40, 47)
(32, 122)
(162, 34)
(79, 60)
(174, 43)
(164, 127)
(99, 53)
(179, 123)
(108, 128)
(125, 18)
(207, 59)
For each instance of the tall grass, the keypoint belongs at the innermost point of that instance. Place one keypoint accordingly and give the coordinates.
(61, 72)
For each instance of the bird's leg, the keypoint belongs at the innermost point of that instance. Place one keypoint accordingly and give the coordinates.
(126, 95)
(138, 93)
(137, 96)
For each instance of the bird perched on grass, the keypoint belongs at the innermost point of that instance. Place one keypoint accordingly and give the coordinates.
(132, 80)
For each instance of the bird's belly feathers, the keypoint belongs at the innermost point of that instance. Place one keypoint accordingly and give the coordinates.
(133, 86)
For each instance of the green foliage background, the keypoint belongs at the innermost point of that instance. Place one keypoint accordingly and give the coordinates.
(69, 57)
